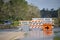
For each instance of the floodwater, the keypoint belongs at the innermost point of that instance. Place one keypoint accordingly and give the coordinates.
(36, 34)
(33, 34)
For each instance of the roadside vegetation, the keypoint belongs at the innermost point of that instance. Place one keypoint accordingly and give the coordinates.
(15, 10)
(56, 38)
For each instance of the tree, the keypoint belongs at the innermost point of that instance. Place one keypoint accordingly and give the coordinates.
(18, 10)
(59, 13)
(59, 16)
(32, 12)
(13, 10)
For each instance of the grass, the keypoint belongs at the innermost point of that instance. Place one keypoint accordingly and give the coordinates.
(56, 38)
(56, 31)
(15, 23)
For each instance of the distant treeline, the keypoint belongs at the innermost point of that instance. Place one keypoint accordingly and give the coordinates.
(45, 13)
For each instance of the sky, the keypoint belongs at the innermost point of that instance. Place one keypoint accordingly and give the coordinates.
(45, 3)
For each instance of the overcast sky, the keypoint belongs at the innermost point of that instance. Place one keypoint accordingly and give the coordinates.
(45, 3)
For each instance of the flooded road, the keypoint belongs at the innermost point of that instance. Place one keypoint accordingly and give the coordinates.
(26, 34)
(38, 35)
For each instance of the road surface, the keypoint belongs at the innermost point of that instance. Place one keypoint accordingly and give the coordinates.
(34, 34)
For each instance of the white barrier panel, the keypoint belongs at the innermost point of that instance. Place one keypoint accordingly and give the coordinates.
(24, 22)
(38, 22)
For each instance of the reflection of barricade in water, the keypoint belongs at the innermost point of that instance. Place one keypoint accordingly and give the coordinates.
(48, 33)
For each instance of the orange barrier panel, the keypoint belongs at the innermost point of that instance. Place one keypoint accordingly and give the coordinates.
(47, 27)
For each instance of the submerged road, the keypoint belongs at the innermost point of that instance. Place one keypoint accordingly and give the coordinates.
(25, 34)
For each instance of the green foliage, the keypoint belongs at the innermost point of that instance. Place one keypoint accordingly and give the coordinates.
(1, 22)
(59, 13)
(15, 23)
(33, 12)
(59, 16)
(13, 10)
(18, 10)
(56, 38)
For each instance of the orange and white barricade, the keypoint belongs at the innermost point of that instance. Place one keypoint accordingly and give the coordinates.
(35, 24)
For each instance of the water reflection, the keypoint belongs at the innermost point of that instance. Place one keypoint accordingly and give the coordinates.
(48, 33)
(38, 35)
